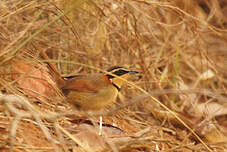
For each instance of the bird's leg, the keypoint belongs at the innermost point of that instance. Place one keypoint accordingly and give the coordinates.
(100, 125)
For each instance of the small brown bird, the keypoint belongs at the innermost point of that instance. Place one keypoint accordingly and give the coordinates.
(92, 91)
(95, 91)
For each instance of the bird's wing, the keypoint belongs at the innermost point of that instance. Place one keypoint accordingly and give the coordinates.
(85, 83)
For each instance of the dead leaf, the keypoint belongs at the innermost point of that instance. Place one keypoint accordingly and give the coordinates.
(33, 79)
(212, 109)
(90, 138)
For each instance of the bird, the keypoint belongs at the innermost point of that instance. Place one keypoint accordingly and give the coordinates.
(93, 92)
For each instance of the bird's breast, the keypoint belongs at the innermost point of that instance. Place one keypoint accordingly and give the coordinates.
(93, 101)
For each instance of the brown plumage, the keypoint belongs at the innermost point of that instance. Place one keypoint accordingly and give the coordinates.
(92, 91)
(95, 91)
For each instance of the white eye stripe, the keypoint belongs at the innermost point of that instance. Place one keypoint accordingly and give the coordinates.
(120, 69)
(113, 68)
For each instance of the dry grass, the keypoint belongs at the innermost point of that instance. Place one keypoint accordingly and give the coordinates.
(179, 47)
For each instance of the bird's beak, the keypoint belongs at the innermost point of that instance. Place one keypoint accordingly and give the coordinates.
(133, 72)
(138, 76)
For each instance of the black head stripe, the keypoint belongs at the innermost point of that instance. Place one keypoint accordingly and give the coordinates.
(113, 70)
(118, 72)
(110, 76)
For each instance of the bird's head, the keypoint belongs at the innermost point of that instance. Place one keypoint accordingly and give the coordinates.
(120, 72)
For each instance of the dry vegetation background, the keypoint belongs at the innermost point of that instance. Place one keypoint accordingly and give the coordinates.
(179, 47)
